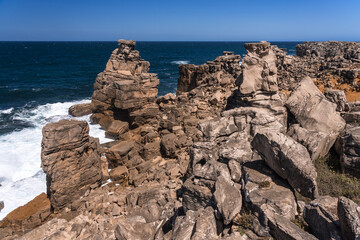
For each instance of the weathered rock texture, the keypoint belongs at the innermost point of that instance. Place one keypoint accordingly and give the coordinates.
(349, 217)
(315, 113)
(221, 71)
(71, 160)
(220, 160)
(348, 147)
(259, 69)
(321, 216)
(125, 85)
(26, 218)
(333, 65)
(79, 110)
(289, 159)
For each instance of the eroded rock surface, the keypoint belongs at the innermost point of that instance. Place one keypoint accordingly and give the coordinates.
(321, 215)
(349, 217)
(71, 160)
(289, 159)
(216, 161)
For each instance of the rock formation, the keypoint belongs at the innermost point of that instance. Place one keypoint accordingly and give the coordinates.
(220, 71)
(71, 160)
(289, 159)
(125, 85)
(229, 157)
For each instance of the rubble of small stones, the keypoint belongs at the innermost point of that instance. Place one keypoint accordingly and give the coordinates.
(226, 158)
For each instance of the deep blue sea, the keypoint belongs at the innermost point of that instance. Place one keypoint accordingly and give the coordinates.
(39, 81)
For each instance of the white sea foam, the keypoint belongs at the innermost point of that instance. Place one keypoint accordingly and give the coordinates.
(6, 111)
(21, 177)
(180, 62)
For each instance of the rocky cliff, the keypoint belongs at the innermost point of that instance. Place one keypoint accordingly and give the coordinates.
(234, 155)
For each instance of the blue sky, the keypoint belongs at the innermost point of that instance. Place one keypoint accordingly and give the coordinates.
(182, 20)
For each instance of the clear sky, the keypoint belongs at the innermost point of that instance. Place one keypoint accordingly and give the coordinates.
(197, 20)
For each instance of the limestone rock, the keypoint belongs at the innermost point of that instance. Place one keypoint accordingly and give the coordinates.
(228, 198)
(116, 128)
(184, 226)
(329, 49)
(283, 229)
(315, 142)
(205, 227)
(125, 85)
(263, 189)
(169, 144)
(289, 159)
(348, 147)
(197, 194)
(117, 154)
(223, 70)
(27, 217)
(236, 147)
(235, 170)
(119, 174)
(136, 228)
(349, 217)
(79, 110)
(46, 230)
(338, 97)
(321, 216)
(258, 69)
(71, 161)
(1, 205)
(314, 112)
(218, 127)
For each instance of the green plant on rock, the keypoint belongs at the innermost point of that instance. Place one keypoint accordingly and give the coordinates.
(243, 222)
(264, 184)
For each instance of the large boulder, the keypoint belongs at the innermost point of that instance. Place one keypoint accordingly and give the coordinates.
(321, 216)
(79, 110)
(71, 160)
(349, 217)
(289, 159)
(314, 112)
(116, 128)
(196, 225)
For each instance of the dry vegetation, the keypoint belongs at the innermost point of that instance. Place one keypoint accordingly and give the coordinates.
(331, 181)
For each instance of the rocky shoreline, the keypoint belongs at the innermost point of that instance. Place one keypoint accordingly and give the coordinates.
(234, 155)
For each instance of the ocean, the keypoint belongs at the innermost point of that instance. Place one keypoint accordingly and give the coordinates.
(39, 81)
